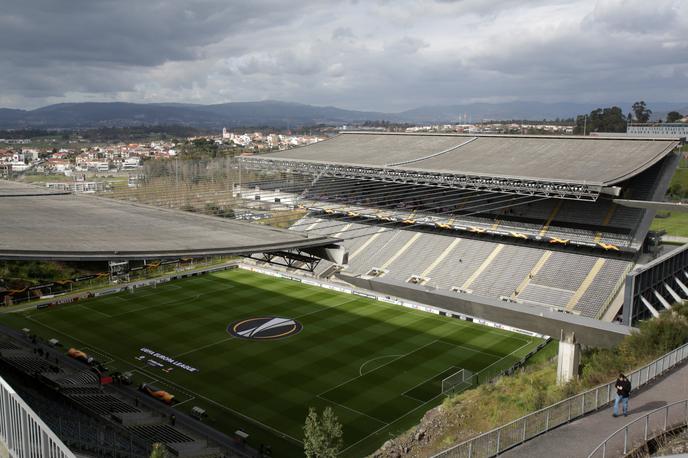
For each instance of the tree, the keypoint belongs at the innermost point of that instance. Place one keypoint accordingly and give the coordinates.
(642, 113)
(322, 435)
(673, 116)
(158, 451)
(609, 119)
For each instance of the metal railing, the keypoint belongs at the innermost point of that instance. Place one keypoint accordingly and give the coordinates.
(648, 426)
(500, 439)
(23, 432)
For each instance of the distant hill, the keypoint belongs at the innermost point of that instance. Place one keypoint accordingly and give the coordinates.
(268, 113)
(284, 114)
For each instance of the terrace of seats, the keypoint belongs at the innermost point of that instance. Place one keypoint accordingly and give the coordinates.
(569, 281)
(82, 387)
(602, 222)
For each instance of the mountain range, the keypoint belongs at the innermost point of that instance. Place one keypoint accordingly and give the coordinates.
(286, 114)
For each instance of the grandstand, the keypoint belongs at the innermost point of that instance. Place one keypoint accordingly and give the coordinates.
(522, 219)
(86, 415)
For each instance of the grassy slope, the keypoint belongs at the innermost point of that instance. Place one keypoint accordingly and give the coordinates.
(676, 224)
(275, 382)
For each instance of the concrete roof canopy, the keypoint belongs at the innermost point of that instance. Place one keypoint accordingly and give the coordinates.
(584, 160)
(81, 227)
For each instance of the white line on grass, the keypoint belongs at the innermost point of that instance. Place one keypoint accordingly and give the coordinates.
(427, 380)
(457, 322)
(92, 350)
(360, 369)
(227, 339)
(378, 368)
(179, 387)
(162, 304)
(358, 412)
(494, 355)
(422, 405)
(502, 358)
(94, 310)
(204, 347)
(180, 403)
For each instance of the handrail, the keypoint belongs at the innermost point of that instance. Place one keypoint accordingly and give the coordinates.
(646, 417)
(518, 431)
(23, 432)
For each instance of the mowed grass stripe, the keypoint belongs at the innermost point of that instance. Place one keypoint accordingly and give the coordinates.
(275, 382)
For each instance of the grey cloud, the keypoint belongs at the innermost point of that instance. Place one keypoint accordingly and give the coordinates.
(383, 55)
(342, 33)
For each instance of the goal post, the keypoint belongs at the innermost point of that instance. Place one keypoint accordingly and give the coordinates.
(458, 381)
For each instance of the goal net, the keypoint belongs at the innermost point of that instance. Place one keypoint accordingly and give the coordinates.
(458, 381)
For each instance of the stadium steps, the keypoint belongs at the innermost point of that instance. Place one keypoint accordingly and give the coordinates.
(550, 218)
(464, 259)
(564, 271)
(545, 295)
(79, 379)
(161, 433)
(447, 252)
(502, 276)
(419, 257)
(602, 290)
(401, 250)
(484, 265)
(7, 345)
(358, 260)
(104, 404)
(385, 251)
(587, 282)
(532, 273)
(29, 363)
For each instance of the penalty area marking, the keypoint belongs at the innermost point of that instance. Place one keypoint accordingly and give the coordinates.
(357, 412)
(360, 369)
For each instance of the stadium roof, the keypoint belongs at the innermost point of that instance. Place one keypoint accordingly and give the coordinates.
(579, 160)
(40, 225)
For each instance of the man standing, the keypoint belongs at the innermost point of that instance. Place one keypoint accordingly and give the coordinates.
(623, 392)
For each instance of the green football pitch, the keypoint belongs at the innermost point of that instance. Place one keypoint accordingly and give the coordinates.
(378, 365)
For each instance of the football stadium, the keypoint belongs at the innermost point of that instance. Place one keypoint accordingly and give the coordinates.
(410, 267)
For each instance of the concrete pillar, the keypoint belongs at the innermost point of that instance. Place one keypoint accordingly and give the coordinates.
(569, 358)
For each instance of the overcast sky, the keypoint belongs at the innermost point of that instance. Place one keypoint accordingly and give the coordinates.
(376, 55)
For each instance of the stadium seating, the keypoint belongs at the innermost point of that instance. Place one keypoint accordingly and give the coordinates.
(93, 434)
(368, 216)
(445, 262)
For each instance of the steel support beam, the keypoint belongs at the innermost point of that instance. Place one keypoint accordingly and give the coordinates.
(649, 306)
(521, 186)
(662, 300)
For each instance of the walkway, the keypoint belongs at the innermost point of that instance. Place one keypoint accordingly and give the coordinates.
(578, 438)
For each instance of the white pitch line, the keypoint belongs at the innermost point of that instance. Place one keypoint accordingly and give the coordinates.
(360, 369)
(504, 357)
(232, 337)
(379, 367)
(205, 346)
(94, 310)
(425, 403)
(180, 403)
(169, 382)
(358, 412)
(457, 322)
(427, 380)
(494, 355)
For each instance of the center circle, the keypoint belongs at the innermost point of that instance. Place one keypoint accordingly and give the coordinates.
(264, 328)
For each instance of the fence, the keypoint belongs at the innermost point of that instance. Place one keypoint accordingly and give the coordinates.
(658, 421)
(23, 433)
(500, 439)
